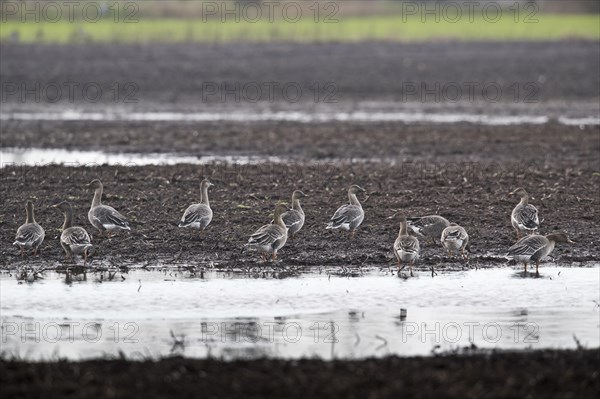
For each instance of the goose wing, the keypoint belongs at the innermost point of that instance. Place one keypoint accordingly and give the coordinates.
(346, 214)
(407, 244)
(267, 235)
(291, 218)
(75, 236)
(109, 217)
(424, 224)
(527, 246)
(195, 214)
(28, 234)
(527, 217)
(454, 233)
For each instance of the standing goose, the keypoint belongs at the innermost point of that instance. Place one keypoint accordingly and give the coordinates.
(294, 218)
(271, 237)
(534, 247)
(455, 238)
(429, 227)
(74, 239)
(198, 216)
(103, 217)
(524, 217)
(406, 247)
(30, 235)
(349, 216)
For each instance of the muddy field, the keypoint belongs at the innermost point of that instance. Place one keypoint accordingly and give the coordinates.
(500, 375)
(464, 179)
(461, 171)
(179, 76)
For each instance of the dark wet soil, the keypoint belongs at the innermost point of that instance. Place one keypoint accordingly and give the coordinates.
(539, 374)
(463, 179)
(557, 145)
(177, 76)
(462, 171)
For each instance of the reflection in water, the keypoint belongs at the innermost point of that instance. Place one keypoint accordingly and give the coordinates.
(295, 116)
(41, 157)
(309, 316)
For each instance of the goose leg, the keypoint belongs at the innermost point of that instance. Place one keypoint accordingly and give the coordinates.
(85, 256)
(464, 254)
(21, 252)
(353, 234)
(274, 258)
(525, 273)
(537, 265)
(410, 268)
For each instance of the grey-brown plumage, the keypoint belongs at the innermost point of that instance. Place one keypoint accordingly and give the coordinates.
(349, 216)
(74, 239)
(294, 218)
(406, 247)
(524, 217)
(103, 217)
(534, 248)
(198, 216)
(270, 238)
(455, 238)
(429, 227)
(30, 235)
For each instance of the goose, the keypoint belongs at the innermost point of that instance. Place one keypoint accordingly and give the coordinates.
(198, 216)
(294, 218)
(349, 216)
(30, 235)
(271, 237)
(406, 247)
(524, 218)
(103, 217)
(74, 239)
(533, 248)
(429, 227)
(455, 238)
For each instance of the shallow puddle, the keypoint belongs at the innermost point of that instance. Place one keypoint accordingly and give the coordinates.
(295, 116)
(46, 156)
(154, 313)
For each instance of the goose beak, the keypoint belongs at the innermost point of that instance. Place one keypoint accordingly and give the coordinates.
(570, 241)
(394, 215)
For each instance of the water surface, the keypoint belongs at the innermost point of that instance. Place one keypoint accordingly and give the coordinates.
(158, 313)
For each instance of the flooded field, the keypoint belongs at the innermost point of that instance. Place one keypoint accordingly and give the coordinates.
(445, 128)
(163, 312)
(298, 116)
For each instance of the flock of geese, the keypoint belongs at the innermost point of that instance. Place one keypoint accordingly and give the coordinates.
(270, 238)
